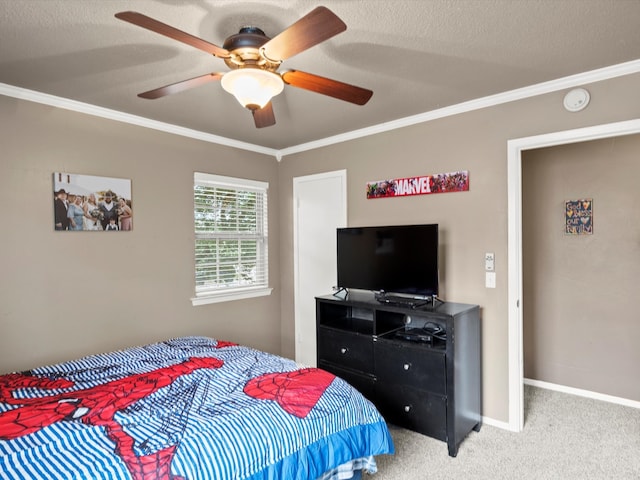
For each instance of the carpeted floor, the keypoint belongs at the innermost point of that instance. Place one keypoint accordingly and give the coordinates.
(565, 437)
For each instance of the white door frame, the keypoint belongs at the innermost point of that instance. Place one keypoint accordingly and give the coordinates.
(297, 181)
(515, 148)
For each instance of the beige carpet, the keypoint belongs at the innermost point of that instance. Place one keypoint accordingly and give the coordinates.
(565, 437)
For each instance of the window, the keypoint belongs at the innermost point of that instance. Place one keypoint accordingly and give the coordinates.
(230, 217)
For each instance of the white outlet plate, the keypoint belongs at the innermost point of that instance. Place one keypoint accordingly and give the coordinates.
(490, 279)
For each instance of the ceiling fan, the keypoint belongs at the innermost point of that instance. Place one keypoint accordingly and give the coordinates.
(254, 60)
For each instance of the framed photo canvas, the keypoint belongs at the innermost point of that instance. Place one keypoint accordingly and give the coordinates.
(84, 203)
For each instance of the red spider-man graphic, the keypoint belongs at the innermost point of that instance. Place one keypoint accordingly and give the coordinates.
(95, 406)
(297, 392)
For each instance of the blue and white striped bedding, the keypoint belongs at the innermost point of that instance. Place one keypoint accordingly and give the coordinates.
(189, 408)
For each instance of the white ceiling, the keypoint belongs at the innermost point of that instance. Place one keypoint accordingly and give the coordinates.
(416, 56)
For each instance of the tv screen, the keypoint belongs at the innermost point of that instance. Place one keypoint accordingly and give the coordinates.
(397, 259)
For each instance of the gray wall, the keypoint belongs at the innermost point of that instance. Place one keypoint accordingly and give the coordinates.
(581, 326)
(471, 223)
(53, 285)
(66, 294)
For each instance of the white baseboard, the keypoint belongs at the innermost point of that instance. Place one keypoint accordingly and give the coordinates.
(564, 389)
(495, 423)
(583, 393)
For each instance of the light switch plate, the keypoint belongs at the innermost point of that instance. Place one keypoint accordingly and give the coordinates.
(489, 262)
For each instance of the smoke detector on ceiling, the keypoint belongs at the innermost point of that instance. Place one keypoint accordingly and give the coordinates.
(576, 100)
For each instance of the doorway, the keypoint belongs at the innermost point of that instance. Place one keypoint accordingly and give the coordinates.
(515, 317)
(319, 207)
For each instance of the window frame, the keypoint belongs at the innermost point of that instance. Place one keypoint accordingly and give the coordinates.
(204, 297)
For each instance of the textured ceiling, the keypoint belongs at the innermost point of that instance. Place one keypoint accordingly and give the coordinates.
(416, 56)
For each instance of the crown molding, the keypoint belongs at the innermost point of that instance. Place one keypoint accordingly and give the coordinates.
(571, 81)
(67, 104)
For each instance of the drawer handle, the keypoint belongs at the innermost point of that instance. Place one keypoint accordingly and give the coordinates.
(407, 408)
(344, 350)
(406, 366)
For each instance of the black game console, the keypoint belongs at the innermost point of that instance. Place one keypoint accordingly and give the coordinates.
(415, 335)
(430, 334)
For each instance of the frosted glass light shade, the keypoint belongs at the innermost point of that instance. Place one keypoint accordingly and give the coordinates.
(252, 87)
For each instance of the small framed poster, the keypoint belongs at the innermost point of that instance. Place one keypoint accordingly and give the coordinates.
(579, 217)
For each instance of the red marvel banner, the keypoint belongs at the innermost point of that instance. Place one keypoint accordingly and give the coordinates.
(424, 185)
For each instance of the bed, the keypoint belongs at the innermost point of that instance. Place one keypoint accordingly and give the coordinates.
(188, 408)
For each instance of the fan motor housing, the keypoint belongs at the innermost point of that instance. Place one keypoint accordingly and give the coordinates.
(244, 48)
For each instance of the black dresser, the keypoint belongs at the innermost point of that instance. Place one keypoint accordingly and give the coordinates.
(420, 366)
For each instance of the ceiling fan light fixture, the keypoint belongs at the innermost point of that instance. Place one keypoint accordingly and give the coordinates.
(252, 87)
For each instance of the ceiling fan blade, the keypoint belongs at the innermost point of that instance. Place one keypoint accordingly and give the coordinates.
(264, 117)
(180, 86)
(317, 26)
(326, 86)
(163, 29)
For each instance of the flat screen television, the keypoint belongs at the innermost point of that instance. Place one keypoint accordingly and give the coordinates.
(399, 259)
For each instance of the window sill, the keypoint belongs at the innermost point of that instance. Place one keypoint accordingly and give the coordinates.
(230, 296)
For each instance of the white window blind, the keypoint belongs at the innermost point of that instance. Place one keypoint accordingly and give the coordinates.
(230, 217)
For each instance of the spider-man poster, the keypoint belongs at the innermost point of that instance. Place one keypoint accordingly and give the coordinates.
(188, 408)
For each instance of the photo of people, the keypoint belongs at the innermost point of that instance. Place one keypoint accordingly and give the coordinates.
(90, 203)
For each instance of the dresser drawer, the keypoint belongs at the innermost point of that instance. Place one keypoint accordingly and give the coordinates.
(397, 363)
(361, 382)
(416, 410)
(345, 349)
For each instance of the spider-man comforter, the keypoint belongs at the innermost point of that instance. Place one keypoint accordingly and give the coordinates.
(189, 408)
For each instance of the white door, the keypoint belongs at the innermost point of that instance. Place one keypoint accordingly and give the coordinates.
(319, 207)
